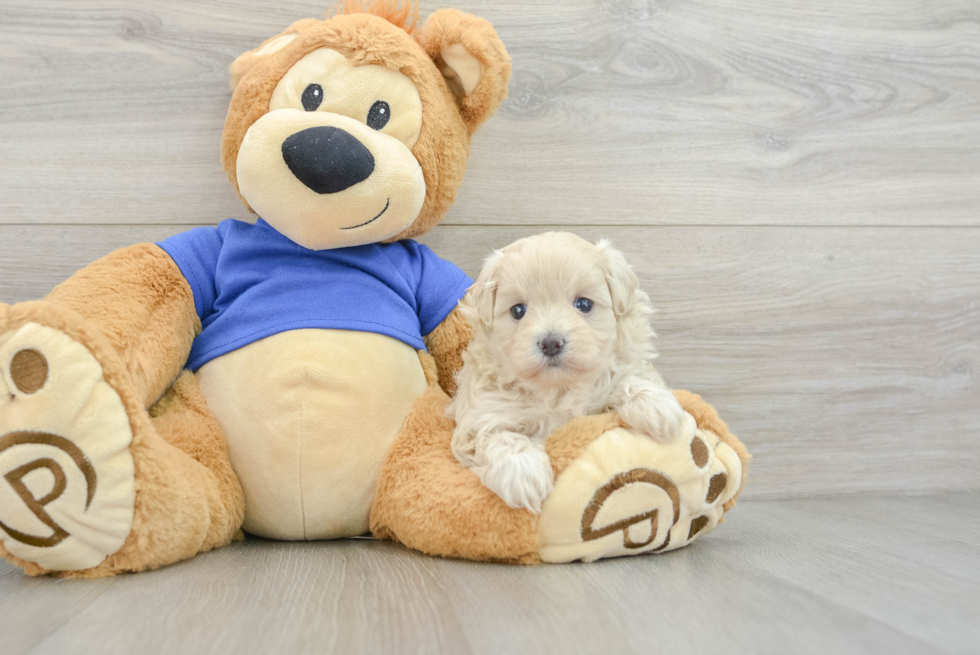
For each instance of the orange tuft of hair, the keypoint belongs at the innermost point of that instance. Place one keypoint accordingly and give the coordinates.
(396, 12)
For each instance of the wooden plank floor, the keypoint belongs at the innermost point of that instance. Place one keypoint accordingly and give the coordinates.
(857, 574)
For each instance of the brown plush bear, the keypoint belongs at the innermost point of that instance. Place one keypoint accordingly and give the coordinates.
(289, 377)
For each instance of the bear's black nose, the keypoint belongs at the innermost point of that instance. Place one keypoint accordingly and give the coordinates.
(327, 159)
(551, 345)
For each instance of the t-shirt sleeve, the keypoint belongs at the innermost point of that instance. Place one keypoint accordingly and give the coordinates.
(196, 254)
(441, 285)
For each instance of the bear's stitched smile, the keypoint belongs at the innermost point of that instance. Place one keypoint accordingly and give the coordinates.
(353, 227)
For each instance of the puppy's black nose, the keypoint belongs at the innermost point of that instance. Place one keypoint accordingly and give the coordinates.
(551, 345)
(327, 159)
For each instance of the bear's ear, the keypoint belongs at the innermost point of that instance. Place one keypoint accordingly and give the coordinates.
(473, 60)
(246, 61)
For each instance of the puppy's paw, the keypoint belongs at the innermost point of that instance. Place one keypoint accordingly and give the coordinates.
(653, 411)
(517, 471)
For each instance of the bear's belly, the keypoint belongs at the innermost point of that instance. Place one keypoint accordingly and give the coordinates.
(309, 416)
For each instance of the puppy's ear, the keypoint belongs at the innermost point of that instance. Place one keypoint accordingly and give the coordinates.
(623, 283)
(483, 293)
(473, 60)
(246, 61)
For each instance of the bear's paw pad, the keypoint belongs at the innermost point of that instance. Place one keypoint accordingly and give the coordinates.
(627, 494)
(67, 484)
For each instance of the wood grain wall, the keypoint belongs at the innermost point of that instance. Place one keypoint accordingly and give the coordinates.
(798, 184)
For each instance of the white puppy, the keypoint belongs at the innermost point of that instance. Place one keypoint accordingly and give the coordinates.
(560, 329)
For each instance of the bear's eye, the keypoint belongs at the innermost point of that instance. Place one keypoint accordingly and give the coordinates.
(379, 115)
(584, 305)
(312, 97)
(518, 311)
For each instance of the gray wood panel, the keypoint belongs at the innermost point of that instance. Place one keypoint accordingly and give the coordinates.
(846, 358)
(844, 575)
(841, 112)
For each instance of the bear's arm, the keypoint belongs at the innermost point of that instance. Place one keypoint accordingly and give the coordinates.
(446, 344)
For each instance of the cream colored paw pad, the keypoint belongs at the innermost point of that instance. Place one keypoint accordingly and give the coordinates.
(627, 494)
(67, 484)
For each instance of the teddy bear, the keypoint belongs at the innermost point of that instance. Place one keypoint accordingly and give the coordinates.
(289, 377)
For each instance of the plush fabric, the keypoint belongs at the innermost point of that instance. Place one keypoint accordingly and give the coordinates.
(137, 298)
(68, 526)
(188, 499)
(288, 167)
(626, 494)
(446, 29)
(308, 435)
(305, 431)
(185, 502)
(708, 419)
(184, 420)
(426, 501)
(402, 290)
(446, 344)
(443, 144)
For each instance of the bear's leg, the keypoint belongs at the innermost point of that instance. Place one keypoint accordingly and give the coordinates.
(184, 420)
(138, 299)
(90, 485)
(428, 501)
(617, 492)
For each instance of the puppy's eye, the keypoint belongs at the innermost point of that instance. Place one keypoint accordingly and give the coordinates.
(312, 97)
(518, 311)
(584, 305)
(379, 115)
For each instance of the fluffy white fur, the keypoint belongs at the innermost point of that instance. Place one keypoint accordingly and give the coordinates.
(511, 395)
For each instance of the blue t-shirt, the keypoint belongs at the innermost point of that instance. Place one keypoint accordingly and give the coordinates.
(251, 282)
